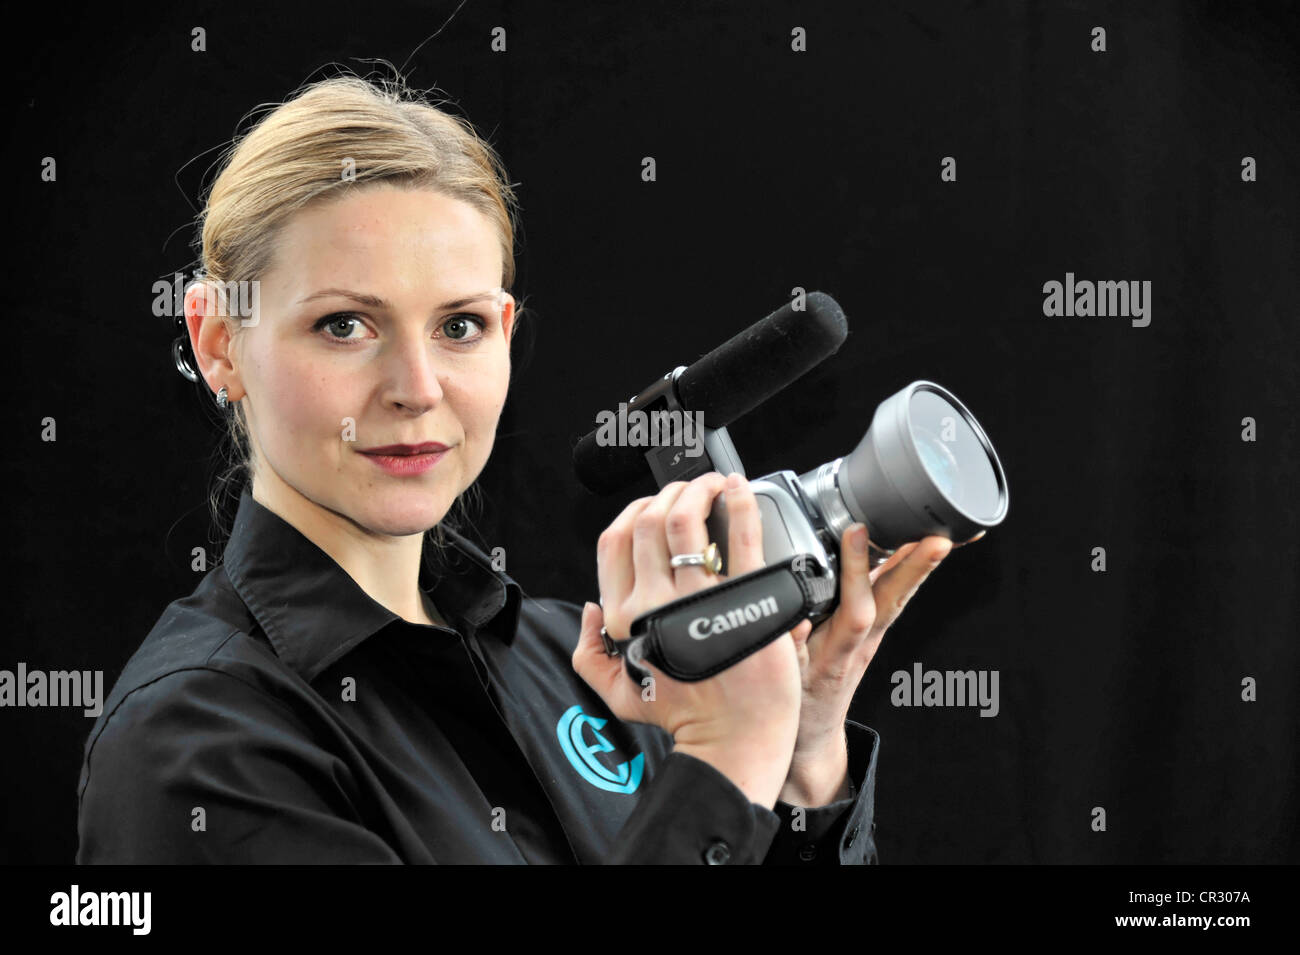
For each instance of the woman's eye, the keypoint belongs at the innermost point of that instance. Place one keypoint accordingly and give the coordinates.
(458, 327)
(338, 324)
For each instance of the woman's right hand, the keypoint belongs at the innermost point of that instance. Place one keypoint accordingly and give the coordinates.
(743, 720)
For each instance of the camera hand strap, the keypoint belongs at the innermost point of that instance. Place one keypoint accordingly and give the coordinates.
(696, 636)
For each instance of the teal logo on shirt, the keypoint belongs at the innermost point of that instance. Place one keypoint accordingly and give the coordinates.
(623, 778)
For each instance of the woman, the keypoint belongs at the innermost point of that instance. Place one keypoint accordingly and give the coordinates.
(339, 691)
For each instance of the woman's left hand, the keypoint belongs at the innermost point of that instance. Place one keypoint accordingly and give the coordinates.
(836, 654)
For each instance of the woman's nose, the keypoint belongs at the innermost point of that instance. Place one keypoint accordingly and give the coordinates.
(413, 370)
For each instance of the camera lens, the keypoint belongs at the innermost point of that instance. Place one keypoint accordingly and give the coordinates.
(953, 455)
(924, 467)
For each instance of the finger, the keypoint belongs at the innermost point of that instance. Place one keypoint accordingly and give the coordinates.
(654, 578)
(614, 570)
(801, 633)
(894, 589)
(744, 527)
(856, 612)
(893, 561)
(972, 540)
(686, 531)
(590, 661)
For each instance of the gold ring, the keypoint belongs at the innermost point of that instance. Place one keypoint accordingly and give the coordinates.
(709, 559)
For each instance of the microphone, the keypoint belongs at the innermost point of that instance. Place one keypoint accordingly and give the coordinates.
(729, 381)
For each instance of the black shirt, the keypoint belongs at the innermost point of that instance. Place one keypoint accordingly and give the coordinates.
(280, 714)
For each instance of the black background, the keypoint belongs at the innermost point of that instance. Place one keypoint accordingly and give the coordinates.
(776, 170)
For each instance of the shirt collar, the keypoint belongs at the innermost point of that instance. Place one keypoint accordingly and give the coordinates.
(313, 612)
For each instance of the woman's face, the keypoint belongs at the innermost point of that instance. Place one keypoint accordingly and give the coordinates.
(382, 321)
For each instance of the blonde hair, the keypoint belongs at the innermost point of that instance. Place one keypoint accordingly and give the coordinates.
(298, 154)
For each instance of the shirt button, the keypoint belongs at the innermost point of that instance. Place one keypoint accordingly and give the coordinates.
(808, 853)
(718, 853)
(853, 834)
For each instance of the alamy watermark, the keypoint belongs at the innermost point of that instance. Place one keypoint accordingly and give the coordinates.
(651, 429)
(1084, 298)
(103, 908)
(233, 299)
(25, 687)
(946, 688)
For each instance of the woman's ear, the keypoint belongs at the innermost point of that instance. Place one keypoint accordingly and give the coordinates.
(210, 339)
(508, 316)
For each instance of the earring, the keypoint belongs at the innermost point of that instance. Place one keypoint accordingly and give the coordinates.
(222, 400)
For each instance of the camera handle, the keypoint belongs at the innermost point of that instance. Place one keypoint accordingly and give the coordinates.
(694, 637)
(672, 462)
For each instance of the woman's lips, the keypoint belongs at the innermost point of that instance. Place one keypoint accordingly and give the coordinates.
(406, 465)
(420, 448)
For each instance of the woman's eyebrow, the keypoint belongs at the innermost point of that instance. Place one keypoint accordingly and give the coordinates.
(373, 301)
